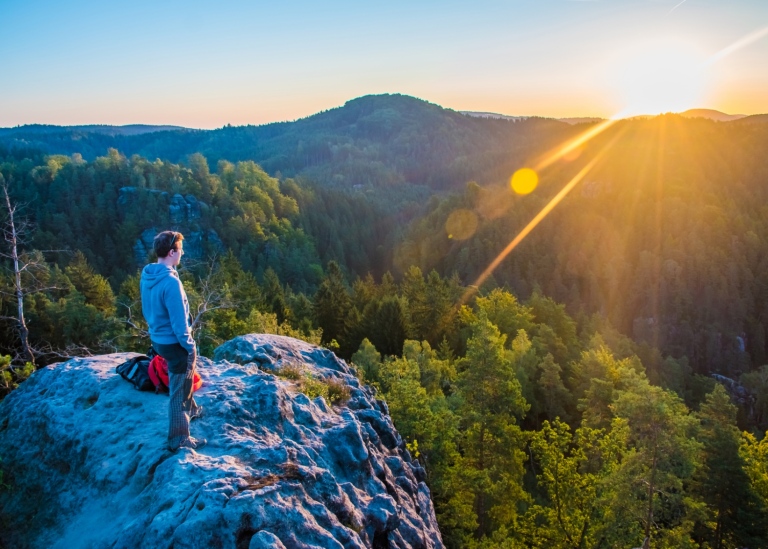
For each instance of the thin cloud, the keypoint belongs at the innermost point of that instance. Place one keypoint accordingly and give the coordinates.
(739, 44)
(677, 6)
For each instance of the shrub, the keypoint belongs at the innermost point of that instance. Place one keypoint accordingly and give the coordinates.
(338, 391)
(313, 388)
(332, 389)
(293, 372)
(10, 377)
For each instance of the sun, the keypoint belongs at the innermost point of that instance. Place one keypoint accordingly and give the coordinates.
(655, 78)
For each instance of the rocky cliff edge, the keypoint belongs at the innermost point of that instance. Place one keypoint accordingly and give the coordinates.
(85, 464)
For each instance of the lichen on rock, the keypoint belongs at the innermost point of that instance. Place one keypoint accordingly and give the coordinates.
(84, 455)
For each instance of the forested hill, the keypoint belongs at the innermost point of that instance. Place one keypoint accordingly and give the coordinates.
(589, 393)
(381, 140)
(129, 129)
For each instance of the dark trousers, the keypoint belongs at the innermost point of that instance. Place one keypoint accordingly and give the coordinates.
(182, 405)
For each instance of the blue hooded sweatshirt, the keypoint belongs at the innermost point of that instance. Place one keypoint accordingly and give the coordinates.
(165, 306)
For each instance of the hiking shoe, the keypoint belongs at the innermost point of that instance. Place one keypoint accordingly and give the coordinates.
(193, 443)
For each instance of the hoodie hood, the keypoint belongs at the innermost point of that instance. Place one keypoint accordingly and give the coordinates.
(154, 273)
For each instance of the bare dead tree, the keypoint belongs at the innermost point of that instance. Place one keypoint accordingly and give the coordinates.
(14, 229)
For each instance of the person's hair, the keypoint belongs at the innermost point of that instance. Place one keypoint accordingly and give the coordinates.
(167, 241)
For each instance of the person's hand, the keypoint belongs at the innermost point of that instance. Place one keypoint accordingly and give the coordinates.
(191, 359)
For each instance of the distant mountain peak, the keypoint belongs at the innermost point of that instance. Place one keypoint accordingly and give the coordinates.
(711, 114)
(581, 119)
(105, 129)
(493, 115)
(497, 116)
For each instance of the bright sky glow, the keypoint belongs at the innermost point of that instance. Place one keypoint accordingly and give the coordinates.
(660, 77)
(204, 64)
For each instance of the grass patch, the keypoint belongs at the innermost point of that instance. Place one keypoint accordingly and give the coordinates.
(293, 372)
(333, 390)
(338, 391)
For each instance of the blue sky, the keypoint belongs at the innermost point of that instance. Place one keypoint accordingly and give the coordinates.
(205, 64)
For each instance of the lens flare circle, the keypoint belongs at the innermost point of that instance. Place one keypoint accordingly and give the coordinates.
(461, 224)
(524, 181)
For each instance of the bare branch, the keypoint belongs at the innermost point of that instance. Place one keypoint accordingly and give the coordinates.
(129, 320)
(69, 352)
(211, 297)
(29, 291)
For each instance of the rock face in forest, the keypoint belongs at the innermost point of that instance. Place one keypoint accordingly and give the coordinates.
(194, 243)
(184, 214)
(85, 464)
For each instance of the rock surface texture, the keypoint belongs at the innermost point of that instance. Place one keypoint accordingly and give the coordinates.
(85, 463)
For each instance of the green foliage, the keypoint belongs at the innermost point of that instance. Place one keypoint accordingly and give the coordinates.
(599, 378)
(736, 517)
(290, 371)
(505, 312)
(435, 375)
(574, 472)
(368, 361)
(338, 391)
(313, 388)
(552, 394)
(332, 389)
(95, 288)
(756, 383)
(332, 305)
(11, 377)
(490, 469)
(754, 452)
(408, 401)
(652, 481)
(386, 324)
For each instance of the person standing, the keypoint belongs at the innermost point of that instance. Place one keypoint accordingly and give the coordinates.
(166, 310)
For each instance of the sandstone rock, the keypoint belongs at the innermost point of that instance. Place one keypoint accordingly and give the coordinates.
(196, 243)
(128, 198)
(84, 454)
(193, 208)
(143, 246)
(185, 209)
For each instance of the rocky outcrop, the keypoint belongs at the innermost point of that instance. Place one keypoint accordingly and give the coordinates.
(84, 457)
(182, 210)
(183, 214)
(128, 198)
(195, 244)
(185, 209)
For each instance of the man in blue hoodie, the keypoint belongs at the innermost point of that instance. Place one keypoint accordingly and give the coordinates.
(166, 309)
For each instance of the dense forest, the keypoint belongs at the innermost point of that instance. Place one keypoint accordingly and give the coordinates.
(606, 384)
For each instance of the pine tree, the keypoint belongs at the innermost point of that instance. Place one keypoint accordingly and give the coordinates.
(491, 404)
(274, 295)
(94, 287)
(332, 305)
(736, 514)
(652, 482)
